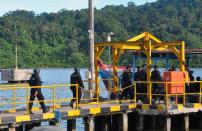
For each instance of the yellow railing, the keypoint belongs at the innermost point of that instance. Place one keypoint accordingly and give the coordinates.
(17, 95)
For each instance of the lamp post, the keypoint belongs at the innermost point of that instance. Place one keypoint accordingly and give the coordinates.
(91, 45)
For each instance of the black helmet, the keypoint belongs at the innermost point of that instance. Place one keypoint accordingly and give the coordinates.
(36, 71)
(76, 69)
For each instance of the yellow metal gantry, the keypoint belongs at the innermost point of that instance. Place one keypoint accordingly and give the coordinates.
(144, 42)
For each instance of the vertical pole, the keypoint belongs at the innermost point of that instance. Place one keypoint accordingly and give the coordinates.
(149, 62)
(91, 41)
(14, 98)
(200, 93)
(115, 78)
(77, 96)
(54, 98)
(182, 54)
(16, 49)
(96, 94)
(27, 99)
(182, 67)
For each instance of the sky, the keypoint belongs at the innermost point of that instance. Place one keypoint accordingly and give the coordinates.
(39, 6)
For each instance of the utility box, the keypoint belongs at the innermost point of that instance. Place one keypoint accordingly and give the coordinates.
(177, 79)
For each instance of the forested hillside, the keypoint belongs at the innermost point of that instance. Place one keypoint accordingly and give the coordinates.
(61, 39)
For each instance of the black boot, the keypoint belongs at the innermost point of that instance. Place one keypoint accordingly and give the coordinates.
(46, 110)
(30, 108)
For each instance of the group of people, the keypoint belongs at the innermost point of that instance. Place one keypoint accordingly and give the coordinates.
(35, 82)
(140, 76)
(192, 87)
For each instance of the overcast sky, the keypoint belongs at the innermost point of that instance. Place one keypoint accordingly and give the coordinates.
(40, 6)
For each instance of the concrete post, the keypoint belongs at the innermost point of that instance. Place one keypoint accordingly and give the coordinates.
(123, 122)
(71, 125)
(186, 122)
(167, 125)
(140, 122)
(11, 129)
(89, 124)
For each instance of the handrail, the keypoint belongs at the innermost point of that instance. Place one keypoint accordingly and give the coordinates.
(14, 99)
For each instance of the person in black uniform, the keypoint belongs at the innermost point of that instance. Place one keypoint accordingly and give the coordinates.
(35, 80)
(76, 79)
(126, 82)
(137, 78)
(143, 77)
(156, 77)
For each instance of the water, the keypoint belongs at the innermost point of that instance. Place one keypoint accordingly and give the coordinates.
(62, 76)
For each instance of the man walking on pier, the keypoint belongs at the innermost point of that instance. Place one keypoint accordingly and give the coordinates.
(35, 80)
(76, 79)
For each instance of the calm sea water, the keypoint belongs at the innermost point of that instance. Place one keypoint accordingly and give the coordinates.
(62, 76)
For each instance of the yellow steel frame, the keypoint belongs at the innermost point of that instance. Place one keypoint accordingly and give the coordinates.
(145, 42)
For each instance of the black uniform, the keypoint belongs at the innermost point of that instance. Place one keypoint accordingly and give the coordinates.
(156, 77)
(143, 77)
(137, 77)
(35, 80)
(76, 79)
(126, 82)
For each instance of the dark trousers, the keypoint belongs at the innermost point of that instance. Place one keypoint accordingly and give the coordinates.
(73, 89)
(39, 96)
(126, 92)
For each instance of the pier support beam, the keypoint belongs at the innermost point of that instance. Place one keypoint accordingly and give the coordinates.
(167, 125)
(11, 129)
(140, 122)
(89, 123)
(120, 122)
(124, 122)
(71, 125)
(186, 122)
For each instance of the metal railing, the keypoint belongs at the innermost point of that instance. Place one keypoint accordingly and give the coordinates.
(12, 97)
(18, 96)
